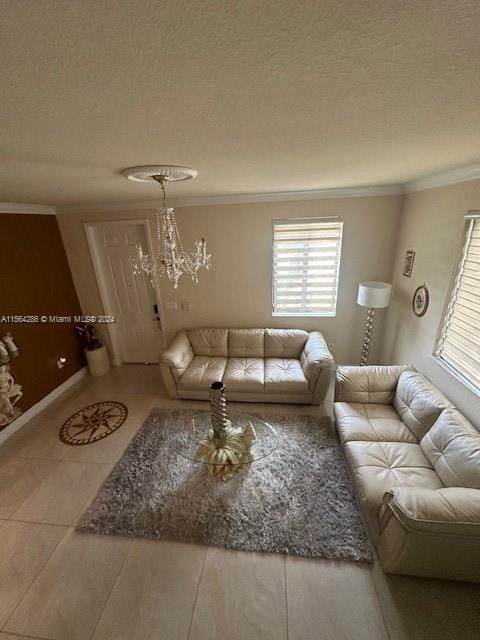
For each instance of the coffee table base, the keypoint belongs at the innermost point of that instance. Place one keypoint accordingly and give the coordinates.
(244, 440)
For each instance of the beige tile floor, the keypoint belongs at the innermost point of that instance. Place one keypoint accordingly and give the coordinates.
(56, 584)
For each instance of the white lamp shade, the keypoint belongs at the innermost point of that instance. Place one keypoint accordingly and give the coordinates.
(374, 294)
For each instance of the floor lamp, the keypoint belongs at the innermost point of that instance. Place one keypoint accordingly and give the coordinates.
(374, 295)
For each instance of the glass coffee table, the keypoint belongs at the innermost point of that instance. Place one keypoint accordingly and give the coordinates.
(187, 441)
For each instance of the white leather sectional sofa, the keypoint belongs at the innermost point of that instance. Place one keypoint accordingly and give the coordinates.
(256, 365)
(415, 463)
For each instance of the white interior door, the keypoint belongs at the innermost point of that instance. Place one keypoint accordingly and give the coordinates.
(131, 299)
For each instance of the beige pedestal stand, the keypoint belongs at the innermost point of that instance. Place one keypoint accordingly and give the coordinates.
(98, 361)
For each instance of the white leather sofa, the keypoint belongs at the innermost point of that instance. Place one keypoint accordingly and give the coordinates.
(256, 365)
(415, 464)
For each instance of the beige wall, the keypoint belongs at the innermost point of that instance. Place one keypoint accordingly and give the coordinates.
(432, 225)
(237, 292)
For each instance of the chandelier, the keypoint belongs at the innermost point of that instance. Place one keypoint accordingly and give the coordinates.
(171, 259)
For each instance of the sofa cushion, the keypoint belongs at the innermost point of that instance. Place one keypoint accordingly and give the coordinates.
(284, 343)
(246, 343)
(209, 342)
(201, 372)
(378, 467)
(453, 447)
(244, 374)
(372, 483)
(387, 455)
(284, 375)
(370, 422)
(418, 402)
(367, 384)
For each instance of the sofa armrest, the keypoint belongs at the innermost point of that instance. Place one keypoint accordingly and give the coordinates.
(431, 532)
(179, 355)
(373, 383)
(315, 357)
(452, 510)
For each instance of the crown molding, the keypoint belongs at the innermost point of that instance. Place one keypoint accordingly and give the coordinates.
(242, 198)
(99, 207)
(462, 174)
(32, 209)
(279, 196)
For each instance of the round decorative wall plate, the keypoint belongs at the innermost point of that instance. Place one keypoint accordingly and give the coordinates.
(93, 423)
(420, 301)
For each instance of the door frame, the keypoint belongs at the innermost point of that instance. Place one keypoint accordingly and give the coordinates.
(91, 228)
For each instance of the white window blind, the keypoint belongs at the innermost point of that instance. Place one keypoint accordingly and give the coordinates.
(306, 260)
(458, 344)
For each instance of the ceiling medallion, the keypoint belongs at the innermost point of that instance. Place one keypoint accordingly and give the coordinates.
(171, 260)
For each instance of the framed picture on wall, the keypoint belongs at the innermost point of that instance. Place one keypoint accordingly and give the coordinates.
(420, 301)
(408, 263)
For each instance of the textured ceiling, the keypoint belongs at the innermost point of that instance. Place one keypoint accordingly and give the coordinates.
(257, 95)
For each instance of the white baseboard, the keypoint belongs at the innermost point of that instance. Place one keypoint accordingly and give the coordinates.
(39, 406)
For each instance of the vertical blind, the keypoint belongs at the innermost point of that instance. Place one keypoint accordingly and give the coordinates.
(459, 337)
(306, 259)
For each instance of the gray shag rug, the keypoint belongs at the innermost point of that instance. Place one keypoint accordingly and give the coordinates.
(298, 500)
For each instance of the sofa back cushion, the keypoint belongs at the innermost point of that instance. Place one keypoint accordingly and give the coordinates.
(418, 402)
(246, 343)
(372, 383)
(209, 342)
(284, 343)
(452, 446)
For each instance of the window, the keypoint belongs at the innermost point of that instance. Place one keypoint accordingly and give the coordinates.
(458, 345)
(306, 260)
